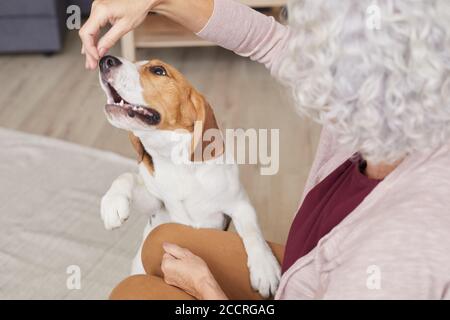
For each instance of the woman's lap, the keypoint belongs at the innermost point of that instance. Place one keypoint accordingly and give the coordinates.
(147, 287)
(222, 251)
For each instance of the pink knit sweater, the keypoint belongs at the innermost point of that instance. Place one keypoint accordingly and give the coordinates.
(396, 243)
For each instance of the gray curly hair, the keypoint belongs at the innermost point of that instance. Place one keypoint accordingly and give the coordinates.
(384, 92)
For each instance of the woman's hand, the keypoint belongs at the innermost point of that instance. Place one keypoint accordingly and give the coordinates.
(123, 15)
(189, 272)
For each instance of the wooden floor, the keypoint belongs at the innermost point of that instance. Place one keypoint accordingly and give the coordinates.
(55, 96)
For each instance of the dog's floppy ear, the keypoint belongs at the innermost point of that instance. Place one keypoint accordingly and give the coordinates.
(209, 146)
(143, 156)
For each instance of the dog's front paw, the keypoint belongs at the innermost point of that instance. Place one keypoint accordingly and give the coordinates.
(115, 210)
(265, 272)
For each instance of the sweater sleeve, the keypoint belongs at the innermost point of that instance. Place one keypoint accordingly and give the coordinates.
(247, 32)
(403, 256)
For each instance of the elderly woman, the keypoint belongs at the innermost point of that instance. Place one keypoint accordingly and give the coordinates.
(374, 221)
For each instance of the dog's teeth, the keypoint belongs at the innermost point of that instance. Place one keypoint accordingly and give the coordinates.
(121, 103)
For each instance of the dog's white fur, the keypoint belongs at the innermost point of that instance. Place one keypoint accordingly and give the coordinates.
(197, 194)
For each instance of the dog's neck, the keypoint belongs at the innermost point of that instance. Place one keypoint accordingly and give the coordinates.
(167, 145)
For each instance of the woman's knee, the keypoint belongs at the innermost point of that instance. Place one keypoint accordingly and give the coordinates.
(152, 250)
(164, 231)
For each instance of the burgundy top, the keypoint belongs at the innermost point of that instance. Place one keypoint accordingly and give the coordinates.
(325, 206)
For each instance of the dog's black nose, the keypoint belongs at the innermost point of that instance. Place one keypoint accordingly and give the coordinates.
(108, 62)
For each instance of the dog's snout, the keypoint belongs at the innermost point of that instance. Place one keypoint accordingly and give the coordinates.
(108, 62)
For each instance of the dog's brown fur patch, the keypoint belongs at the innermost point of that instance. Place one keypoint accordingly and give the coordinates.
(178, 103)
(143, 156)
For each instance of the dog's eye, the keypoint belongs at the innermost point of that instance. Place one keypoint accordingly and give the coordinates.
(158, 70)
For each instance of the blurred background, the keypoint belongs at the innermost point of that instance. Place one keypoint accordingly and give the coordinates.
(50, 191)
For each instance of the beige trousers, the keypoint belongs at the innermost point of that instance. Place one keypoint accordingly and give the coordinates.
(223, 251)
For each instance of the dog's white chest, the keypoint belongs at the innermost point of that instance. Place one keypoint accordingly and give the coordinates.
(172, 182)
(194, 195)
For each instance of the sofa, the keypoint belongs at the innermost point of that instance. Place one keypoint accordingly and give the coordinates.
(35, 25)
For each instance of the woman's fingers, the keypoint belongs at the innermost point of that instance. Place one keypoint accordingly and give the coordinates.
(183, 269)
(167, 264)
(91, 62)
(175, 251)
(123, 15)
(119, 29)
(89, 32)
(167, 259)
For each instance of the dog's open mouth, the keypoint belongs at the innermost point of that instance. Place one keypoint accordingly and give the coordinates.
(148, 115)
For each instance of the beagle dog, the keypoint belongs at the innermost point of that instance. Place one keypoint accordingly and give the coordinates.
(161, 111)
